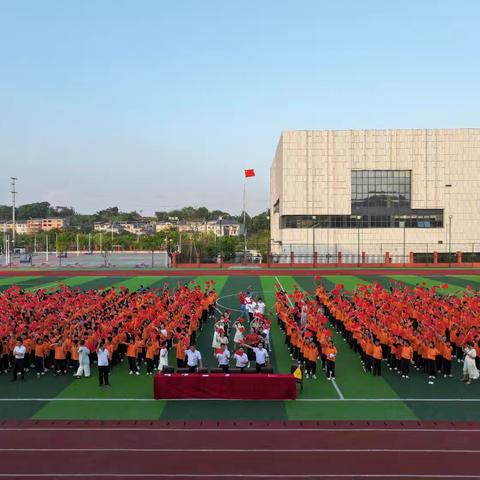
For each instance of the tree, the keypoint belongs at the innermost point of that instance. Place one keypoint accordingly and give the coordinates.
(62, 243)
(5, 213)
(33, 210)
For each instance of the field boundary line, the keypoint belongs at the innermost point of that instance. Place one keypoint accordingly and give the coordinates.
(114, 399)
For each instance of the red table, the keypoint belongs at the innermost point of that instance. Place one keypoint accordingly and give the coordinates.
(242, 386)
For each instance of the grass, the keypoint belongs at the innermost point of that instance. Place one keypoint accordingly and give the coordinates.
(365, 397)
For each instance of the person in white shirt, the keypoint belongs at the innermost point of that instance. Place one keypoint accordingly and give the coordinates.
(250, 306)
(260, 306)
(223, 358)
(19, 355)
(163, 360)
(83, 360)
(261, 356)
(194, 359)
(241, 359)
(103, 357)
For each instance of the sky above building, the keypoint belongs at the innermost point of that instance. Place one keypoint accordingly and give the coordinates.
(154, 105)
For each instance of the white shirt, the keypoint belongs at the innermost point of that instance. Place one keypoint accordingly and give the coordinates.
(102, 355)
(19, 351)
(83, 357)
(241, 360)
(223, 358)
(250, 306)
(261, 356)
(193, 358)
(260, 307)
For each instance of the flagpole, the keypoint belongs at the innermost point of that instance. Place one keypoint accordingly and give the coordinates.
(244, 222)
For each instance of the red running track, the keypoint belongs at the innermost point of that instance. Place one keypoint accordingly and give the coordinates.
(247, 450)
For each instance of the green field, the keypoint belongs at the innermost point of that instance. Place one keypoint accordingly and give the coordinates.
(354, 396)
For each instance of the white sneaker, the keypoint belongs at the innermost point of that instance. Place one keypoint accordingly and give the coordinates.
(328, 378)
(130, 372)
(406, 376)
(430, 382)
(137, 373)
(307, 375)
(314, 376)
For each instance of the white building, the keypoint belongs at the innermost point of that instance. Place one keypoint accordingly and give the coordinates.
(376, 191)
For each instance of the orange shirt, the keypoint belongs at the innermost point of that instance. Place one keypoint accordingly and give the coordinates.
(39, 350)
(407, 352)
(59, 352)
(432, 353)
(377, 352)
(132, 350)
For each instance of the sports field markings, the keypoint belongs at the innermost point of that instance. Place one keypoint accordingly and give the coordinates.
(337, 389)
(228, 475)
(240, 450)
(120, 399)
(240, 429)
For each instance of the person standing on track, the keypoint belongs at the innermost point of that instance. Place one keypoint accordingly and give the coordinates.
(241, 359)
(103, 357)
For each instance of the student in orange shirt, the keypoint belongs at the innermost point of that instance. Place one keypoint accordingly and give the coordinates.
(331, 354)
(431, 353)
(447, 360)
(60, 358)
(311, 356)
(407, 355)
(132, 356)
(377, 358)
(39, 357)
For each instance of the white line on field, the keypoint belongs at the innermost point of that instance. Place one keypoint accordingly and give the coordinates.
(86, 399)
(339, 392)
(241, 450)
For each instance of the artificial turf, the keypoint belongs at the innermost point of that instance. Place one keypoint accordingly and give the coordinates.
(131, 397)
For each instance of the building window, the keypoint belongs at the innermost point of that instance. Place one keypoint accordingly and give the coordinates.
(380, 190)
(416, 219)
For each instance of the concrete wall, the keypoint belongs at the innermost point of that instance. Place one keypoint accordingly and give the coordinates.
(311, 176)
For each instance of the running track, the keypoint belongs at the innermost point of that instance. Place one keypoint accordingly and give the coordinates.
(247, 450)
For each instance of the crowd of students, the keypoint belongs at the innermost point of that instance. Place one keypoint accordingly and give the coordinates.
(60, 331)
(408, 327)
(306, 334)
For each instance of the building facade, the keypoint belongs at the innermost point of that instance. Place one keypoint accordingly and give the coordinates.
(376, 191)
(36, 225)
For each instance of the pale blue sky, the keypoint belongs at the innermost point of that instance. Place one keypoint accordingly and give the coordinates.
(153, 105)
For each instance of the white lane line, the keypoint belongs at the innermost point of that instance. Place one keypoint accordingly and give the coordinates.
(337, 389)
(237, 429)
(239, 450)
(233, 475)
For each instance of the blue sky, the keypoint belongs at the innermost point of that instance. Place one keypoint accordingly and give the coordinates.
(153, 105)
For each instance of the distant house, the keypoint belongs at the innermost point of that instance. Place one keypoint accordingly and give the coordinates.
(36, 225)
(136, 228)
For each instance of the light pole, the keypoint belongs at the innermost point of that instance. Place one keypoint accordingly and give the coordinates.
(450, 240)
(359, 218)
(404, 219)
(220, 219)
(314, 224)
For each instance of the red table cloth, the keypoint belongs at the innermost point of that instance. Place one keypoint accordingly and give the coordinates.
(242, 386)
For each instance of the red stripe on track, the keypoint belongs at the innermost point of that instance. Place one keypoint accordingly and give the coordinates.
(453, 439)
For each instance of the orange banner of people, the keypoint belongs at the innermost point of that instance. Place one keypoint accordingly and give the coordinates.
(249, 173)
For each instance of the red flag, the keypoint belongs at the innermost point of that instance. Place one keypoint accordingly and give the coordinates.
(249, 173)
